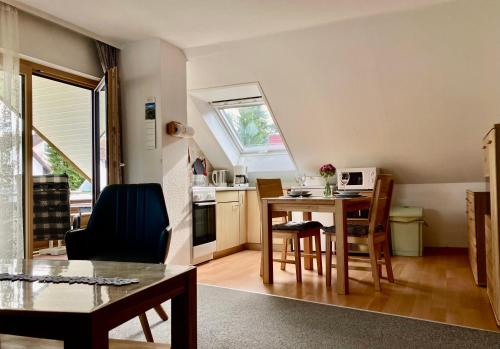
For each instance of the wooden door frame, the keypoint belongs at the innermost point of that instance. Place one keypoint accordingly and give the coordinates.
(27, 69)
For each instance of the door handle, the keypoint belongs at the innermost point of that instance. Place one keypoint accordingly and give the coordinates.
(205, 203)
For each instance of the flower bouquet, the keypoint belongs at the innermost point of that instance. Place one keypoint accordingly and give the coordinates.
(326, 171)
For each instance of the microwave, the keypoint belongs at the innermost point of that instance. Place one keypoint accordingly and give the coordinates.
(358, 178)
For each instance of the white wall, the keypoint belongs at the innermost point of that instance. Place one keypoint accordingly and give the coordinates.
(140, 79)
(444, 210)
(412, 93)
(48, 42)
(154, 68)
(176, 179)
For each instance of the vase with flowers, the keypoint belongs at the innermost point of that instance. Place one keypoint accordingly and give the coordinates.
(326, 171)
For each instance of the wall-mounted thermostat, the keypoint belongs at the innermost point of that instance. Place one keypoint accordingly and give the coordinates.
(150, 123)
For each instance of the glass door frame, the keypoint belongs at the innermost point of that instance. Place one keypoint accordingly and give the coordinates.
(96, 139)
(27, 69)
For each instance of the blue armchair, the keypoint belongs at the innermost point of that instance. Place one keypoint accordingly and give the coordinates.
(129, 223)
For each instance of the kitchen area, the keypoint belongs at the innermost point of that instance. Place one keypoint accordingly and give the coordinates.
(226, 211)
(225, 215)
(237, 142)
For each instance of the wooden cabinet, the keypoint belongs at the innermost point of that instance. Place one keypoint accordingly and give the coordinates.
(492, 285)
(227, 196)
(491, 143)
(231, 219)
(253, 218)
(478, 205)
(242, 197)
(227, 225)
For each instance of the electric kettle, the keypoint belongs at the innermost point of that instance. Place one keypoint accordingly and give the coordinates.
(219, 178)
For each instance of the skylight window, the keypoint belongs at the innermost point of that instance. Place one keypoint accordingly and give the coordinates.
(251, 126)
(240, 121)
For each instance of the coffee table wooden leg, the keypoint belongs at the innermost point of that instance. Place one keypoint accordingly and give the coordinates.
(341, 247)
(184, 316)
(308, 242)
(86, 336)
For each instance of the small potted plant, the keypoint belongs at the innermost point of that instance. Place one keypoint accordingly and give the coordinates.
(326, 171)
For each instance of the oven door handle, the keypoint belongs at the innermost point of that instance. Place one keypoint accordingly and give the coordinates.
(205, 203)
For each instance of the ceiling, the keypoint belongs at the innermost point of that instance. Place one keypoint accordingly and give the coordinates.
(192, 23)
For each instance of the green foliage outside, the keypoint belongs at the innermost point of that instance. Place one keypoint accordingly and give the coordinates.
(253, 125)
(61, 166)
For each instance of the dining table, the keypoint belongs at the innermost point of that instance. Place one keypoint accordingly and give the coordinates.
(337, 206)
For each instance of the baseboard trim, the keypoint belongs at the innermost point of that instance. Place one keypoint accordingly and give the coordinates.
(228, 251)
(252, 246)
(430, 251)
(258, 247)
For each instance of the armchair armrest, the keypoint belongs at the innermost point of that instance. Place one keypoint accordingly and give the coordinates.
(77, 244)
(165, 243)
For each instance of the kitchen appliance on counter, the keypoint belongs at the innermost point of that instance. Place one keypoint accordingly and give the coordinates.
(199, 178)
(240, 176)
(219, 178)
(356, 178)
(199, 181)
(204, 238)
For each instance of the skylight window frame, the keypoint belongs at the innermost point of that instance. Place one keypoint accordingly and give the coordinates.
(254, 150)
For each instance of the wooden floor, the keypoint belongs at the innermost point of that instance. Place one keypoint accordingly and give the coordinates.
(437, 287)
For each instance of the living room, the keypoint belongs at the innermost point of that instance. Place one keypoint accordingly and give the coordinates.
(229, 173)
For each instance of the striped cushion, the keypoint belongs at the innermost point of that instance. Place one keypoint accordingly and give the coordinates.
(301, 226)
(354, 229)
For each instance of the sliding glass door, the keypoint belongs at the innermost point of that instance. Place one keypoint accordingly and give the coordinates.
(58, 133)
(61, 151)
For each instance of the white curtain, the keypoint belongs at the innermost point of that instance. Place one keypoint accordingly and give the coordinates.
(11, 193)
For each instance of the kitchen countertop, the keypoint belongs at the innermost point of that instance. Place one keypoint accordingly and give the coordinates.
(229, 188)
(233, 188)
(286, 187)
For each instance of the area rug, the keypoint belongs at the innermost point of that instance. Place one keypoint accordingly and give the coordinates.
(236, 319)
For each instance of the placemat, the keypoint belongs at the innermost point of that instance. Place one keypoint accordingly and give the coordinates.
(100, 281)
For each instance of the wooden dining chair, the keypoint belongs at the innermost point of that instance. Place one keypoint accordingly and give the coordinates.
(289, 231)
(374, 234)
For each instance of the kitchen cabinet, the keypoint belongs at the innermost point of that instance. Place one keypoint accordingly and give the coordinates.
(231, 219)
(227, 225)
(491, 143)
(478, 205)
(242, 197)
(253, 218)
(227, 196)
(254, 221)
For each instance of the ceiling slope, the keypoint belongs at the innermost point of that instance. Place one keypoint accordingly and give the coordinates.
(412, 93)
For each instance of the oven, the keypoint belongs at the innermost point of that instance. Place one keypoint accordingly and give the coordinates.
(203, 222)
(204, 238)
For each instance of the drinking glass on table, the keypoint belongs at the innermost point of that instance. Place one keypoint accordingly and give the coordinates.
(344, 179)
(301, 180)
